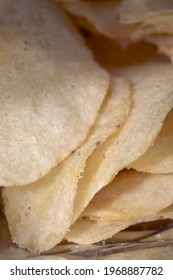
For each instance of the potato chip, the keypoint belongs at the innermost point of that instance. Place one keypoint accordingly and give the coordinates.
(132, 197)
(159, 157)
(152, 89)
(157, 25)
(120, 20)
(40, 214)
(151, 17)
(140, 10)
(51, 90)
(117, 19)
(67, 129)
(101, 15)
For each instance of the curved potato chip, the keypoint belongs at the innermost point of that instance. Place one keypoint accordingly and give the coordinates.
(124, 21)
(150, 17)
(157, 25)
(131, 198)
(141, 10)
(47, 76)
(152, 89)
(159, 157)
(101, 16)
(40, 214)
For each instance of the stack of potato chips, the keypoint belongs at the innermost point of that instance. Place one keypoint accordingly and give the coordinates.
(86, 142)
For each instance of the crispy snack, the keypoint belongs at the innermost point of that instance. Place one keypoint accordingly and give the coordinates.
(99, 16)
(40, 214)
(152, 93)
(119, 20)
(130, 198)
(47, 75)
(69, 128)
(151, 17)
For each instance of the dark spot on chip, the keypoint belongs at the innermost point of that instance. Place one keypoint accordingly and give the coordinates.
(97, 143)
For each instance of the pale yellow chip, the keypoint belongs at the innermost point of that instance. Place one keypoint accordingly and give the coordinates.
(40, 214)
(101, 15)
(158, 25)
(51, 90)
(152, 17)
(131, 198)
(159, 157)
(140, 10)
(118, 19)
(152, 88)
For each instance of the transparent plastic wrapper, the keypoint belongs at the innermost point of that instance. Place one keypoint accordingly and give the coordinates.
(143, 244)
